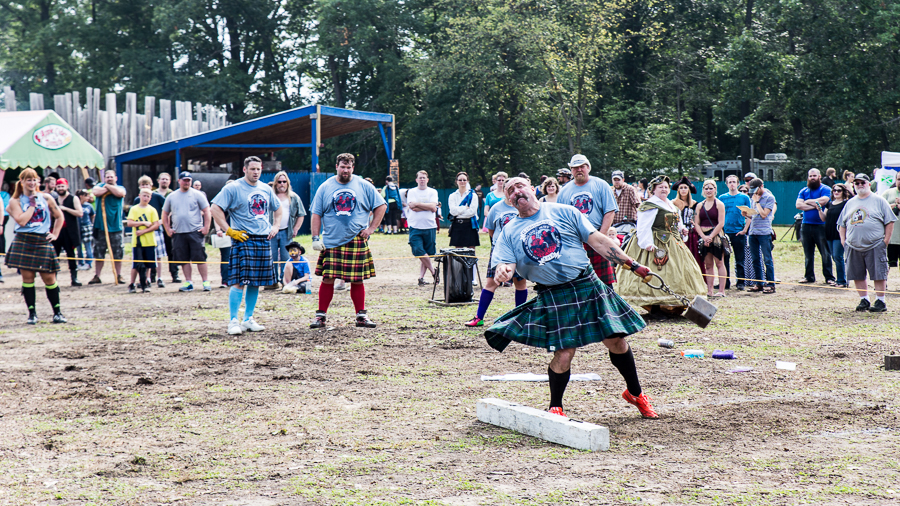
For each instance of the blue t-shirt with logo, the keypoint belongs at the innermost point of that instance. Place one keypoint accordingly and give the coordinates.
(248, 206)
(594, 199)
(811, 217)
(344, 209)
(734, 221)
(501, 213)
(40, 220)
(547, 247)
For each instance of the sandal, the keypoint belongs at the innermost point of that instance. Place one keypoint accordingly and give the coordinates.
(769, 289)
(719, 295)
(755, 288)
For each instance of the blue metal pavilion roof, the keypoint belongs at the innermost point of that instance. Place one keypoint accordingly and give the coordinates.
(303, 127)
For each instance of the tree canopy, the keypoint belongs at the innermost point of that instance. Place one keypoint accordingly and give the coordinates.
(645, 86)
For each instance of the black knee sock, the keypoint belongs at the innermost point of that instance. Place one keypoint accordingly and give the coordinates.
(624, 362)
(28, 292)
(53, 297)
(558, 383)
(152, 274)
(142, 276)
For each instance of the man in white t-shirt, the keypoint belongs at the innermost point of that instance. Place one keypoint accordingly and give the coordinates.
(422, 204)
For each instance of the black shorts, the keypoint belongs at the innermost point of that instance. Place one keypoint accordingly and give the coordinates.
(188, 247)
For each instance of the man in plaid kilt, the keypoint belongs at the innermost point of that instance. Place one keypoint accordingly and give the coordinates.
(573, 308)
(31, 251)
(595, 199)
(342, 206)
(248, 203)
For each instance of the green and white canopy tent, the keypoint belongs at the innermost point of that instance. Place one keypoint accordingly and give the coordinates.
(41, 140)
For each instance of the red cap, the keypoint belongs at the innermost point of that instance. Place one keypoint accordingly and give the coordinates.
(62, 181)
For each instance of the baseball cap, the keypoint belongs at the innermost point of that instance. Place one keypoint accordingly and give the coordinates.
(749, 175)
(858, 177)
(62, 181)
(185, 175)
(579, 160)
(754, 184)
(389, 179)
(564, 172)
(618, 174)
(89, 181)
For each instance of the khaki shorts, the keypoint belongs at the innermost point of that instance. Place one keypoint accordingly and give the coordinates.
(874, 262)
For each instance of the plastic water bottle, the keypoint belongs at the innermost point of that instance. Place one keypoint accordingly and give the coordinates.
(666, 343)
(692, 353)
(308, 289)
(723, 354)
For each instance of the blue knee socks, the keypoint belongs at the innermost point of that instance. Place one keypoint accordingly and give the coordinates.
(252, 294)
(484, 302)
(234, 301)
(521, 296)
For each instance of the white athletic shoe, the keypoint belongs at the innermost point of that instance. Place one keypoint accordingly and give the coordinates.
(251, 325)
(234, 327)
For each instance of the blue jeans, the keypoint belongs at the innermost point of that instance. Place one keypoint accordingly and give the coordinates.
(764, 242)
(279, 250)
(738, 245)
(85, 250)
(813, 237)
(223, 267)
(837, 253)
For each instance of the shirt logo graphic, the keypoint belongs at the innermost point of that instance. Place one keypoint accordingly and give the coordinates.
(259, 206)
(858, 217)
(542, 242)
(40, 213)
(506, 218)
(344, 202)
(583, 202)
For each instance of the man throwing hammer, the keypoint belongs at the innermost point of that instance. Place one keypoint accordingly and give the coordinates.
(342, 205)
(573, 308)
(249, 203)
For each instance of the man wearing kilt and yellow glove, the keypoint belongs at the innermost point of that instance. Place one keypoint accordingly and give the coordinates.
(340, 210)
(250, 264)
(573, 308)
(31, 251)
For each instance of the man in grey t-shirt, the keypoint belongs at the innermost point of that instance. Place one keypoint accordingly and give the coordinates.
(865, 225)
(186, 217)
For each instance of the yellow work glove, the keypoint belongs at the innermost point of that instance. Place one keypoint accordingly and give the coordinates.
(237, 235)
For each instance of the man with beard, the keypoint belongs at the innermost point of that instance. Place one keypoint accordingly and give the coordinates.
(248, 204)
(594, 198)
(164, 180)
(342, 206)
(572, 307)
(812, 230)
(70, 236)
(865, 225)
(626, 198)
(108, 225)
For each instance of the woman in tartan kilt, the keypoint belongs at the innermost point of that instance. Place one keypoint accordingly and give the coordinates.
(31, 251)
(573, 308)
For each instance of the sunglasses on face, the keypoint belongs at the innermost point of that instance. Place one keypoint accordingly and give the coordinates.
(861, 183)
(462, 180)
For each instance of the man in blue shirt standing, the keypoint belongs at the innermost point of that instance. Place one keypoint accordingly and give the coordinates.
(736, 228)
(248, 203)
(595, 199)
(812, 230)
(342, 206)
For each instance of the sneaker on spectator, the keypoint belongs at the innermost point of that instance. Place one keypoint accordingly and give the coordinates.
(250, 325)
(863, 305)
(120, 280)
(145, 288)
(556, 410)
(878, 307)
(234, 327)
(207, 286)
(642, 402)
(95, 280)
(131, 288)
(340, 285)
(187, 286)
(160, 283)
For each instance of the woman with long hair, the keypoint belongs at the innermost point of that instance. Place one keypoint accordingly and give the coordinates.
(830, 214)
(686, 206)
(291, 221)
(709, 221)
(31, 251)
(550, 189)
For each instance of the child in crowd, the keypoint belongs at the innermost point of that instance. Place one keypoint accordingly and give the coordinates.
(296, 271)
(86, 222)
(144, 219)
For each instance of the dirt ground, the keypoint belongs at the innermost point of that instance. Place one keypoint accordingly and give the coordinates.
(144, 399)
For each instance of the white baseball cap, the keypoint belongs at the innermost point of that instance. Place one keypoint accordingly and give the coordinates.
(579, 160)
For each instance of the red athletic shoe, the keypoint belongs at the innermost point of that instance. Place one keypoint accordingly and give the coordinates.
(556, 410)
(642, 402)
(474, 322)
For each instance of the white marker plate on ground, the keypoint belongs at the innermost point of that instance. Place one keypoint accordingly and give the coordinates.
(543, 425)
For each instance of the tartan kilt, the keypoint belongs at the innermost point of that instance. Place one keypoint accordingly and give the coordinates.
(568, 315)
(351, 262)
(602, 267)
(32, 252)
(160, 242)
(250, 262)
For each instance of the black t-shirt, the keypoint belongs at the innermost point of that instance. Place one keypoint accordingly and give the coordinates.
(831, 219)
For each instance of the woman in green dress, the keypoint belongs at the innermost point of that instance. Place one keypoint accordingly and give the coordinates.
(659, 244)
